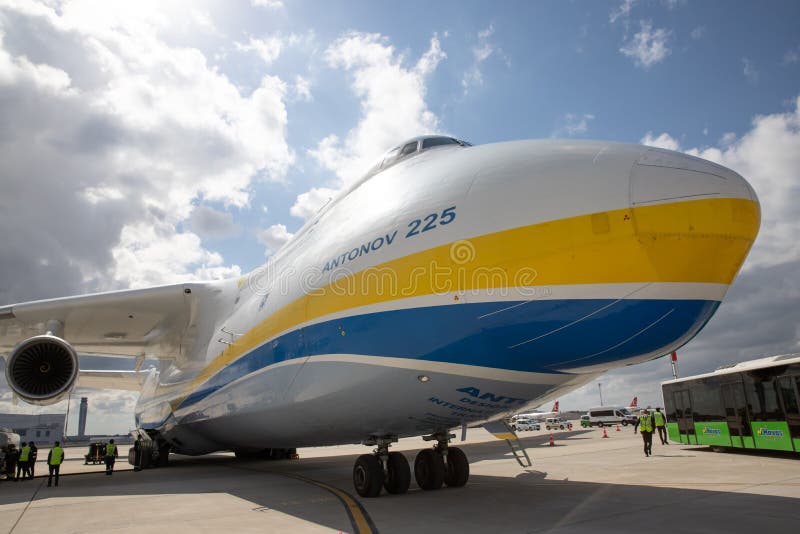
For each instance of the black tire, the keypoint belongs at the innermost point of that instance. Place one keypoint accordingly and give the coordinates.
(599, 425)
(561, 427)
(456, 472)
(624, 423)
(398, 474)
(429, 470)
(163, 455)
(368, 475)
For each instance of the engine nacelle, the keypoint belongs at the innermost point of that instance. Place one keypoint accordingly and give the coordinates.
(42, 369)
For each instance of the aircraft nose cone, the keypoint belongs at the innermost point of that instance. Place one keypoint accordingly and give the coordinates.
(664, 176)
(696, 220)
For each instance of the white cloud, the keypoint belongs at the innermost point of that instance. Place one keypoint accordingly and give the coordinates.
(698, 33)
(302, 89)
(273, 237)
(208, 222)
(271, 4)
(648, 46)
(792, 56)
(268, 49)
(482, 51)
(117, 135)
(623, 12)
(750, 72)
(727, 138)
(310, 202)
(574, 124)
(662, 141)
(392, 107)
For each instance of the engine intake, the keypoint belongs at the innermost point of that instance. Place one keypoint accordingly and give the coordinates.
(42, 369)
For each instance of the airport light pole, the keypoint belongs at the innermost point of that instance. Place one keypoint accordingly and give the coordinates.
(600, 389)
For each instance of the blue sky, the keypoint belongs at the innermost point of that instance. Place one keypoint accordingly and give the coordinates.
(177, 140)
(548, 61)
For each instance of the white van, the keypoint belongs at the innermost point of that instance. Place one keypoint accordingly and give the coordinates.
(610, 415)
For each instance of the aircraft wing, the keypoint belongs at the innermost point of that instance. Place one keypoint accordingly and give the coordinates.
(160, 322)
(126, 380)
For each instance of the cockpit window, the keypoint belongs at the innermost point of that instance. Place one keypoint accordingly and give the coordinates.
(410, 148)
(438, 141)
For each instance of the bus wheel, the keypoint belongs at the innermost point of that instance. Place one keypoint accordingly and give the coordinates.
(599, 424)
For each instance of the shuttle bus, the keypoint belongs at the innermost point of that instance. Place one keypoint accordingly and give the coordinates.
(750, 405)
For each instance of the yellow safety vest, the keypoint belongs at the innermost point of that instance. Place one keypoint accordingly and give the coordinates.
(110, 448)
(56, 456)
(24, 454)
(645, 423)
(659, 418)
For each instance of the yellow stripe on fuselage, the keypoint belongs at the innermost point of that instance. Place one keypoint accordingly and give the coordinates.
(702, 241)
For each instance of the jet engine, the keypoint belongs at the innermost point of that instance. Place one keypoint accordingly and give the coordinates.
(42, 369)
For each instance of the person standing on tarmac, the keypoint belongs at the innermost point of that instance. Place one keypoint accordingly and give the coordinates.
(22, 461)
(54, 459)
(646, 429)
(32, 458)
(661, 426)
(111, 456)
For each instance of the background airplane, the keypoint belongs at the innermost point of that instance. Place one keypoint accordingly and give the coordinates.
(448, 287)
(539, 416)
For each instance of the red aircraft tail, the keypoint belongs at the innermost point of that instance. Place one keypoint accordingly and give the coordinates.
(555, 408)
(634, 402)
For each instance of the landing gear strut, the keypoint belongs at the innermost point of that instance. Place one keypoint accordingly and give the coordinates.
(382, 469)
(442, 464)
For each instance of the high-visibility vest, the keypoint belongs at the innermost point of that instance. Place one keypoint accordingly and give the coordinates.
(24, 454)
(645, 423)
(659, 418)
(110, 448)
(56, 456)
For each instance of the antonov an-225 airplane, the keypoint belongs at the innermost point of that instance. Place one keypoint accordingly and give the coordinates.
(453, 285)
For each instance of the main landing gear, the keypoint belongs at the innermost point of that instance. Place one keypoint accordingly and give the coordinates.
(433, 467)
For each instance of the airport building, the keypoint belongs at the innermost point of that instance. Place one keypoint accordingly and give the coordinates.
(43, 429)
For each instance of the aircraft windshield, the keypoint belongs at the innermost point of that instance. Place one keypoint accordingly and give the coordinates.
(410, 148)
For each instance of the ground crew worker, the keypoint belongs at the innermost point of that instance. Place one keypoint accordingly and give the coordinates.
(111, 456)
(32, 459)
(661, 426)
(22, 461)
(54, 459)
(646, 430)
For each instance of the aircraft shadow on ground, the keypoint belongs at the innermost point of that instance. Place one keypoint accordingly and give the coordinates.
(527, 502)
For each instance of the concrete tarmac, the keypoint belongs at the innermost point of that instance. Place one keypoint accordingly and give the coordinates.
(583, 484)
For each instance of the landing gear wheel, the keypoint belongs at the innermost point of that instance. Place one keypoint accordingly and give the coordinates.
(398, 474)
(457, 470)
(368, 475)
(163, 455)
(429, 470)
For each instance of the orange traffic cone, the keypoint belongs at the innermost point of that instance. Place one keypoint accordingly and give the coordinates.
(605, 435)
(552, 443)
(617, 428)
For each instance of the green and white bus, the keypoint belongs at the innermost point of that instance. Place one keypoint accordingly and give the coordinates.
(750, 405)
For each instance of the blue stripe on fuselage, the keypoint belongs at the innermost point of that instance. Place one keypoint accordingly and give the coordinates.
(534, 336)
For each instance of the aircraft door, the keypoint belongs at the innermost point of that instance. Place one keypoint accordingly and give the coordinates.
(733, 399)
(789, 387)
(683, 410)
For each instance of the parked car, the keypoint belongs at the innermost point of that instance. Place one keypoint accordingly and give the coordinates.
(525, 425)
(557, 423)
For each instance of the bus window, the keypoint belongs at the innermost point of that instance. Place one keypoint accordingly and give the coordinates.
(789, 397)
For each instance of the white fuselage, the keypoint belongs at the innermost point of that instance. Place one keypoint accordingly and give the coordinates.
(456, 287)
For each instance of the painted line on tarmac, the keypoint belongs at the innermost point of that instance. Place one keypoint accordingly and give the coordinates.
(26, 507)
(359, 518)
